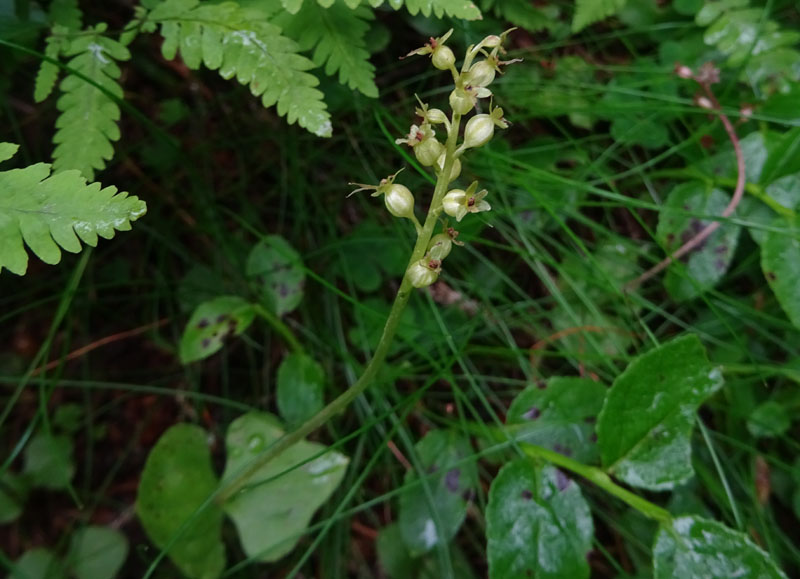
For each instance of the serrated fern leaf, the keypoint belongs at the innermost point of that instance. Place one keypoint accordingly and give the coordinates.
(337, 36)
(455, 8)
(48, 212)
(87, 124)
(241, 43)
(64, 16)
(590, 11)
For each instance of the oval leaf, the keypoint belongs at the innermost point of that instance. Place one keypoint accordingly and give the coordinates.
(176, 482)
(537, 524)
(300, 384)
(13, 494)
(48, 461)
(38, 564)
(645, 425)
(451, 480)
(560, 416)
(679, 221)
(780, 260)
(768, 420)
(274, 511)
(697, 547)
(211, 323)
(97, 553)
(278, 270)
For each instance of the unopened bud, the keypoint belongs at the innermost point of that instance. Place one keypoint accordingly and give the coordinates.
(399, 200)
(440, 246)
(479, 131)
(428, 151)
(454, 172)
(481, 73)
(704, 102)
(683, 71)
(443, 58)
(461, 102)
(424, 272)
(491, 41)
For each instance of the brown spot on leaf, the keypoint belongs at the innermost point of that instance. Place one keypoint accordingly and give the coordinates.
(526, 494)
(532, 414)
(451, 479)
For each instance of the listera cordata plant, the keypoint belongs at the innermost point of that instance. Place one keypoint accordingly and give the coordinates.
(471, 87)
(481, 64)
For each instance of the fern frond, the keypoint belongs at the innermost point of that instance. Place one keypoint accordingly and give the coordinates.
(240, 42)
(50, 211)
(64, 17)
(89, 112)
(337, 36)
(464, 9)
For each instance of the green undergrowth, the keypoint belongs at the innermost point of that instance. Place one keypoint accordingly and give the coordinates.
(607, 165)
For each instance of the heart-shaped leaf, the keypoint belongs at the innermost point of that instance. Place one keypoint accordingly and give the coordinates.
(559, 416)
(274, 510)
(645, 425)
(697, 547)
(48, 461)
(300, 384)
(213, 322)
(428, 519)
(97, 552)
(278, 270)
(176, 484)
(537, 524)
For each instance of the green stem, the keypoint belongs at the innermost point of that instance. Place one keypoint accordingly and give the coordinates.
(601, 479)
(279, 326)
(240, 481)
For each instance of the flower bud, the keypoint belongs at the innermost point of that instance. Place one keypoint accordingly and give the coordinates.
(482, 73)
(455, 171)
(478, 131)
(443, 58)
(454, 203)
(428, 151)
(461, 102)
(436, 116)
(424, 272)
(492, 41)
(399, 200)
(440, 246)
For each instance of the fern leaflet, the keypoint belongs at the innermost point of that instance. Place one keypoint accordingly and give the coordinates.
(50, 211)
(240, 42)
(456, 8)
(89, 112)
(64, 16)
(338, 34)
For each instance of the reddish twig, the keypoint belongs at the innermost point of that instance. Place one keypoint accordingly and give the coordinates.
(96, 344)
(705, 77)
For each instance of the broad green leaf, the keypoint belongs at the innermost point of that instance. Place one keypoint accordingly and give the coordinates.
(590, 11)
(397, 563)
(761, 212)
(680, 220)
(273, 511)
(211, 324)
(645, 426)
(48, 212)
(97, 552)
(13, 493)
(8, 150)
(173, 502)
(300, 388)
(784, 156)
(242, 43)
(769, 420)
(537, 524)
(367, 252)
(559, 416)
(38, 563)
(451, 476)
(696, 547)
(337, 36)
(48, 461)
(277, 268)
(88, 121)
(780, 261)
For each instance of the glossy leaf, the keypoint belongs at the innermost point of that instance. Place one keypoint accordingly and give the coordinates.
(768, 420)
(679, 221)
(645, 425)
(97, 552)
(38, 564)
(278, 270)
(211, 324)
(559, 416)
(451, 476)
(784, 156)
(537, 524)
(48, 461)
(300, 388)
(780, 261)
(272, 513)
(697, 547)
(173, 502)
